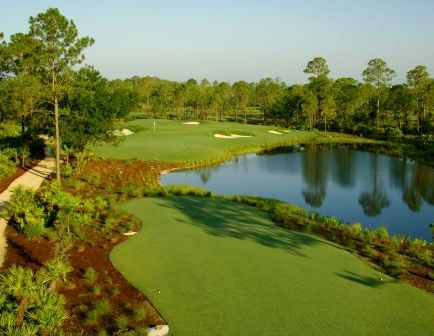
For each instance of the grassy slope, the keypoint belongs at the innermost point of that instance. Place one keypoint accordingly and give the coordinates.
(176, 142)
(225, 269)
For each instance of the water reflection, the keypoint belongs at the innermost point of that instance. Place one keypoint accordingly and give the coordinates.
(344, 168)
(315, 173)
(420, 187)
(375, 199)
(352, 184)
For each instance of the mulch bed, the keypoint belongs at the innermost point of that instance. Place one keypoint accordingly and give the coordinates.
(78, 291)
(94, 252)
(6, 181)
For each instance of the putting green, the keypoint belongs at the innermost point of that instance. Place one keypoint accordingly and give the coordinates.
(177, 142)
(214, 267)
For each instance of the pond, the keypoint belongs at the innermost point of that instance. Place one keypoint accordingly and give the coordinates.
(353, 185)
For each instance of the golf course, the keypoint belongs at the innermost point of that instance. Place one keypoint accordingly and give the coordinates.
(176, 141)
(214, 267)
(214, 169)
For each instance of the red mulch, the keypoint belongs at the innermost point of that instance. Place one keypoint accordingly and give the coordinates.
(4, 182)
(79, 293)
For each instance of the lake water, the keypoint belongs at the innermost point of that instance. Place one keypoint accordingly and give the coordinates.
(352, 185)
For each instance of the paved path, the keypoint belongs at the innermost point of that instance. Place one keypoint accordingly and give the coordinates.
(33, 178)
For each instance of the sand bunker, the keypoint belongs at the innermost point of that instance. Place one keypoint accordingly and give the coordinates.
(122, 132)
(275, 132)
(130, 233)
(191, 123)
(231, 136)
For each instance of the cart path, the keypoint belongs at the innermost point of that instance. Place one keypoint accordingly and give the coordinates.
(33, 178)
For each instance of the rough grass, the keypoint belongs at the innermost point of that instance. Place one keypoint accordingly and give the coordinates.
(215, 267)
(176, 142)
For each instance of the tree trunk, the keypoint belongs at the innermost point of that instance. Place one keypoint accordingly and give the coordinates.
(378, 112)
(22, 307)
(325, 123)
(56, 122)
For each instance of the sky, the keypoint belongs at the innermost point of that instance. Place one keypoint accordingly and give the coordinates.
(241, 39)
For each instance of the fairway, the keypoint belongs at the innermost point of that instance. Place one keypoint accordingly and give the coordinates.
(177, 142)
(214, 267)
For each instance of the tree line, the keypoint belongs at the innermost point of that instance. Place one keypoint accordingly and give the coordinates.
(345, 104)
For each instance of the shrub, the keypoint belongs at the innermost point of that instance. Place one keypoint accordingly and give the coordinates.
(392, 132)
(140, 313)
(90, 275)
(281, 212)
(354, 229)
(102, 307)
(58, 268)
(28, 303)
(92, 317)
(122, 322)
(96, 290)
(332, 222)
(133, 190)
(381, 233)
(186, 190)
(426, 257)
(394, 266)
(27, 213)
(368, 251)
(115, 291)
(67, 170)
(7, 166)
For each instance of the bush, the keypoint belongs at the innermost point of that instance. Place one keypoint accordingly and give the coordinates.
(381, 233)
(133, 190)
(7, 166)
(186, 190)
(35, 306)
(102, 307)
(140, 313)
(392, 132)
(354, 229)
(394, 266)
(122, 322)
(90, 275)
(27, 213)
(368, 251)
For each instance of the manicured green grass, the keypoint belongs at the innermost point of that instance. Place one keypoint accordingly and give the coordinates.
(173, 141)
(214, 267)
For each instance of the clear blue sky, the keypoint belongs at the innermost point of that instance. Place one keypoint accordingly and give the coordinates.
(241, 39)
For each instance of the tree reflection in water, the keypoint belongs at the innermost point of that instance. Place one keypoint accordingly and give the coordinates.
(376, 199)
(315, 173)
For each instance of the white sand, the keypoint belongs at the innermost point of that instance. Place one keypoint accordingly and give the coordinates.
(232, 136)
(191, 123)
(287, 131)
(274, 132)
(130, 233)
(33, 178)
(159, 330)
(122, 132)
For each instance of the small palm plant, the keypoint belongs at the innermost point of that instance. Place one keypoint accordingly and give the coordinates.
(58, 268)
(28, 306)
